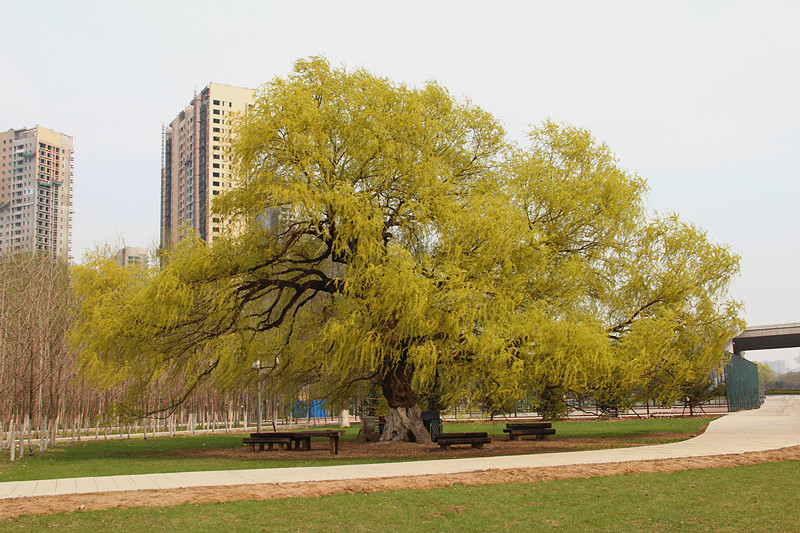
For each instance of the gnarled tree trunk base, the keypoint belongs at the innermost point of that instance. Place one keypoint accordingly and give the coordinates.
(404, 424)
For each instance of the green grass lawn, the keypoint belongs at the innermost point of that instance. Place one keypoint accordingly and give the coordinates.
(140, 456)
(163, 454)
(747, 498)
(596, 428)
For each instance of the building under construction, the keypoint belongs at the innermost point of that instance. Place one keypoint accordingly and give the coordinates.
(195, 164)
(36, 191)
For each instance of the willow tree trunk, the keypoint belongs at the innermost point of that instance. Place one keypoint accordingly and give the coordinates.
(403, 422)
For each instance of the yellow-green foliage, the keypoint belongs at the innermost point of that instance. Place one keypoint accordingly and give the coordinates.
(387, 229)
(765, 375)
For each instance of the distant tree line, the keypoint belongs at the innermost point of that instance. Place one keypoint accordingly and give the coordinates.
(46, 394)
(769, 380)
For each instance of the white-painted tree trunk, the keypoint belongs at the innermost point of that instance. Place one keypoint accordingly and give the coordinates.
(11, 440)
(43, 435)
(29, 425)
(21, 439)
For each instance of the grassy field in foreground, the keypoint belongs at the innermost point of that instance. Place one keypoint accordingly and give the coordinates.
(747, 498)
(163, 454)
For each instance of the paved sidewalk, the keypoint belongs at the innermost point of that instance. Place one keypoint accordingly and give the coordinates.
(775, 425)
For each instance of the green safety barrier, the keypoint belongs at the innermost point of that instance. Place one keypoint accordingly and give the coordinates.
(741, 377)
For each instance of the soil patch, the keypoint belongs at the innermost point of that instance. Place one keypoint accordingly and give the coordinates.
(350, 449)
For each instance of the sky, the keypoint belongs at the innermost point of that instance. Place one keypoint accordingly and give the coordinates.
(698, 97)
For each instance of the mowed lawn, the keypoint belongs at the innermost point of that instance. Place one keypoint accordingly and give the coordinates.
(746, 498)
(163, 454)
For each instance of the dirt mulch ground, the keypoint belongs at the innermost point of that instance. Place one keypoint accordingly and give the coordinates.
(161, 498)
(407, 450)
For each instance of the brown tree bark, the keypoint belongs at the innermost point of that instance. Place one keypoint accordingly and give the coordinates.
(403, 422)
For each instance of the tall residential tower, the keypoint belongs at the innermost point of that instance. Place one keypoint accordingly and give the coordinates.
(194, 165)
(36, 191)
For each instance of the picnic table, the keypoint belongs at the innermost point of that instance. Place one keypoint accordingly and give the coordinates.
(297, 440)
(540, 430)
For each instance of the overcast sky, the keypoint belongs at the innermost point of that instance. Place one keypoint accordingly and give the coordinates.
(698, 97)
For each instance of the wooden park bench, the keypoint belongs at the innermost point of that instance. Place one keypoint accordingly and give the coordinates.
(476, 440)
(540, 430)
(284, 441)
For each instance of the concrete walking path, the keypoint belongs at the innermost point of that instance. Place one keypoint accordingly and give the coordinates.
(775, 425)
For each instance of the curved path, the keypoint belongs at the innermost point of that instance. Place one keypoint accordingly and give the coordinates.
(775, 425)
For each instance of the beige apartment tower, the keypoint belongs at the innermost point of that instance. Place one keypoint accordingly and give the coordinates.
(36, 191)
(195, 165)
(129, 255)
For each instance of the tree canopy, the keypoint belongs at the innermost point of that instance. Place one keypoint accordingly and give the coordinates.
(389, 233)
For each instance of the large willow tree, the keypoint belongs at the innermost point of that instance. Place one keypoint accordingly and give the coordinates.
(623, 302)
(388, 233)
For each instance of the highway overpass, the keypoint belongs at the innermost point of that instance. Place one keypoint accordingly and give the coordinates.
(767, 338)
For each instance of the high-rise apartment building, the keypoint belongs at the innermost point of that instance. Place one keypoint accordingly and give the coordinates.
(129, 255)
(36, 191)
(195, 165)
